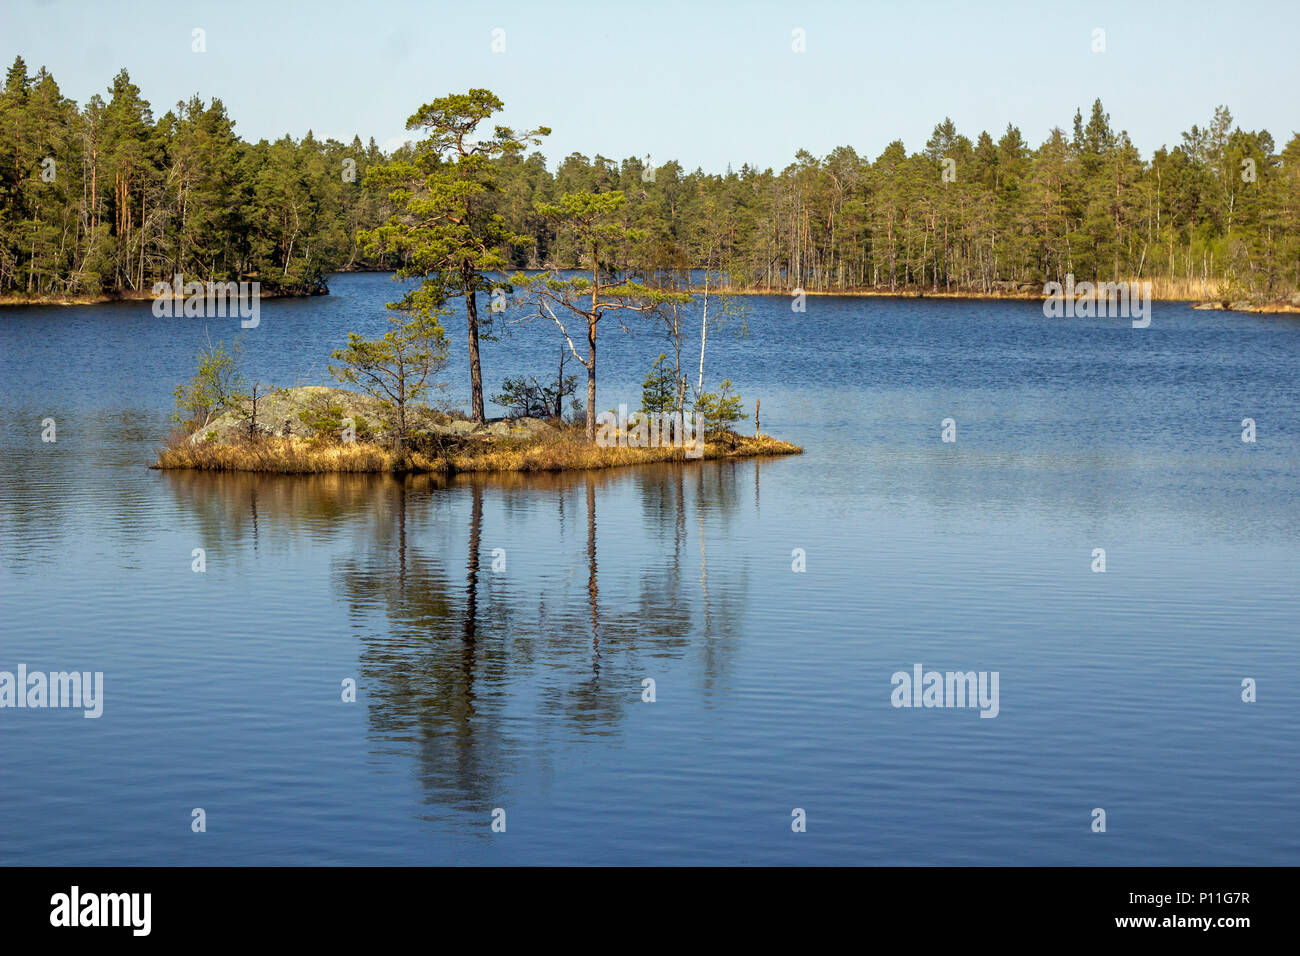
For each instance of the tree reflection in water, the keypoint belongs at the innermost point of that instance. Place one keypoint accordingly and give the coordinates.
(477, 679)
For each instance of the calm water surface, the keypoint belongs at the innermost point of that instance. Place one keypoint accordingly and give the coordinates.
(521, 689)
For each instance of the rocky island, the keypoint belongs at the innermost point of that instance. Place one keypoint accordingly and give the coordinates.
(315, 429)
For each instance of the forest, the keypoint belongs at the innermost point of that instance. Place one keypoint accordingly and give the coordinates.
(104, 199)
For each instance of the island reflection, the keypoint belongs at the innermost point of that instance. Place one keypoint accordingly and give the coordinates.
(472, 666)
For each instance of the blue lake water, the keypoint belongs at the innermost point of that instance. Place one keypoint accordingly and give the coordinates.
(521, 688)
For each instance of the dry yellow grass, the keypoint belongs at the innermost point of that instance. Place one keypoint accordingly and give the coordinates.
(565, 452)
(570, 452)
(278, 455)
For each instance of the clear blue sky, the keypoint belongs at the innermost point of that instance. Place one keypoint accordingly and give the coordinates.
(706, 82)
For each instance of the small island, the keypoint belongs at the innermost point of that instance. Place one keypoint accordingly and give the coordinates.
(315, 429)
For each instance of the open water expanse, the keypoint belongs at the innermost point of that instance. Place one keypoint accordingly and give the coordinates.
(521, 687)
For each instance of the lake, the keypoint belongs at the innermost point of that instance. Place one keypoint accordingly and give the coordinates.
(500, 630)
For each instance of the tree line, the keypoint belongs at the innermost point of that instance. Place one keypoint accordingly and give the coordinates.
(1217, 213)
(106, 199)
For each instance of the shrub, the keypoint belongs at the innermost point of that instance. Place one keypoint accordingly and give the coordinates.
(215, 387)
(721, 411)
(659, 391)
(524, 398)
(327, 422)
(527, 398)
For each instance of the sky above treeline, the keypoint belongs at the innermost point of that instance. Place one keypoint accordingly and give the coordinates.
(706, 82)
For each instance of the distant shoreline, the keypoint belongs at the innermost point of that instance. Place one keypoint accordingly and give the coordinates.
(128, 295)
(1275, 307)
